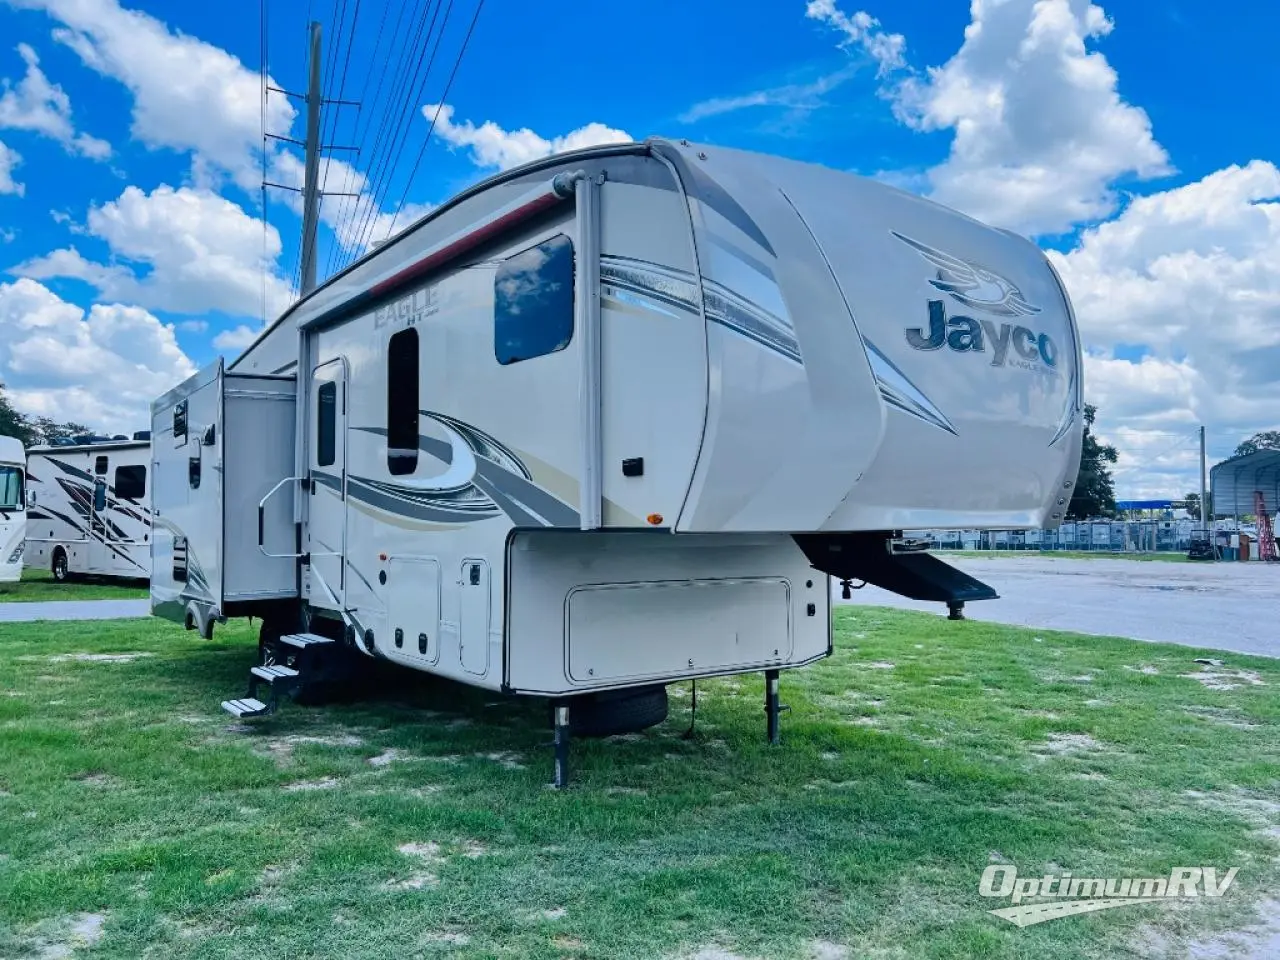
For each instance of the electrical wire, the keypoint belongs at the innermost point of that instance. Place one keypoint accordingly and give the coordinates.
(403, 128)
(375, 157)
(262, 84)
(390, 131)
(345, 203)
(444, 98)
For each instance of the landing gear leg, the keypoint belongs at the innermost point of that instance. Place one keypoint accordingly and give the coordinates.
(562, 744)
(955, 610)
(772, 708)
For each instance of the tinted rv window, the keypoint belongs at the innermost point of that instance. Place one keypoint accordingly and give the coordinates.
(131, 482)
(533, 302)
(100, 466)
(10, 488)
(327, 424)
(402, 402)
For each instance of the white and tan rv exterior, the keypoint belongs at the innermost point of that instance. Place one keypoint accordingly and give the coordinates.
(89, 508)
(13, 508)
(610, 420)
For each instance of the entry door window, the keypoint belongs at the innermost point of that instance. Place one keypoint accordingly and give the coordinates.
(327, 424)
(402, 402)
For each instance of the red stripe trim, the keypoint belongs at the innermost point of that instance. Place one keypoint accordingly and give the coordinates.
(466, 242)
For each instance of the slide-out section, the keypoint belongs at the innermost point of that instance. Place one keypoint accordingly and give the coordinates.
(221, 445)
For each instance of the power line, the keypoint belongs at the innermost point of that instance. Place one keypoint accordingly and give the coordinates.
(347, 206)
(444, 98)
(405, 125)
(402, 95)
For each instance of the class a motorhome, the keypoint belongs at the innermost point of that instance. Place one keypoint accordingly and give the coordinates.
(611, 420)
(89, 508)
(13, 511)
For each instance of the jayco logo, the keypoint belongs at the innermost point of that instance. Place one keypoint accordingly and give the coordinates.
(966, 335)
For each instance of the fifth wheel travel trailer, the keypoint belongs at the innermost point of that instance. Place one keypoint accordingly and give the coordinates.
(89, 508)
(13, 509)
(611, 420)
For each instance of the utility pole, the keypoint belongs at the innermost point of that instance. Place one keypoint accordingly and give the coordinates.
(311, 181)
(1204, 500)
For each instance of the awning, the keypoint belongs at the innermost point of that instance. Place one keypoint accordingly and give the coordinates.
(1233, 483)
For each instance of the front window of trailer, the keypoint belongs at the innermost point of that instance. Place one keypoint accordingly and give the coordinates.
(11, 487)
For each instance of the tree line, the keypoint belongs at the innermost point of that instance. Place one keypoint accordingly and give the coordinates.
(1095, 493)
(33, 431)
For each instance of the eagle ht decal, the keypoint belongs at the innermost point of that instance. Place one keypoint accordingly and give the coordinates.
(973, 285)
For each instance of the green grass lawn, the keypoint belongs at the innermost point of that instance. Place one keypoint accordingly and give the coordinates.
(40, 585)
(418, 822)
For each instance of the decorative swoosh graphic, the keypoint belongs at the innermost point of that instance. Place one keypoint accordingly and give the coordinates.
(972, 284)
(1030, 914)
(662, 288)
(483, 479)
(89, 525)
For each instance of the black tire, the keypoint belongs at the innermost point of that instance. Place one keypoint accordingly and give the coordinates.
(617, 711)
(59, 568)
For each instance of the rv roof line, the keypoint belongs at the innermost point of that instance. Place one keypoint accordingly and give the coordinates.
(515, 173)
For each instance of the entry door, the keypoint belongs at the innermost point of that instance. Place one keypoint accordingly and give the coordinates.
(99, 529)
(326, 518)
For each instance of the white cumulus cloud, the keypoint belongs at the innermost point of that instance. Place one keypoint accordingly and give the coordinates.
(101, 368)
(1191, 277)
(492, 146)
(862, 31)
(235, 339)
(39, 106)
(1040, 132)
(9, 158)
(199, 252)
(188, 95)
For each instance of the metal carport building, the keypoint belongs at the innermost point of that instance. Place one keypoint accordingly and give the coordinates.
(1232, 483)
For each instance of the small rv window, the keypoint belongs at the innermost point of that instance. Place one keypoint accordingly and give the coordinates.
(180, 422)
(131, 482)
(327, 424)
(10, 488)
(100, 466)
(533, 302)
(402, 402)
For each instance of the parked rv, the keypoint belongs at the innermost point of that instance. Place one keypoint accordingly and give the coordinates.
(13, 509)
(89, 508)
(611, 420)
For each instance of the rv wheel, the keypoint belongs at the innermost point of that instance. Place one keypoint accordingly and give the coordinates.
(59, 567)
(617, 711)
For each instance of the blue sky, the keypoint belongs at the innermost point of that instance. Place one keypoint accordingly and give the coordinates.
(1130, 139)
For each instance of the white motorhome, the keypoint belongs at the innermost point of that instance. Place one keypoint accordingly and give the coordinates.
(13, 509)
(610, 420)
(89, 508)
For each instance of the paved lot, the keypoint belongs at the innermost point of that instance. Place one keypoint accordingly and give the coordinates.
(1226, 606)
(73, 610)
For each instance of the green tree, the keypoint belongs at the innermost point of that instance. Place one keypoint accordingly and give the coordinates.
(1094, 494)
(1192, 505)
(50, 430)
(1266, 440)
(16, 424)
